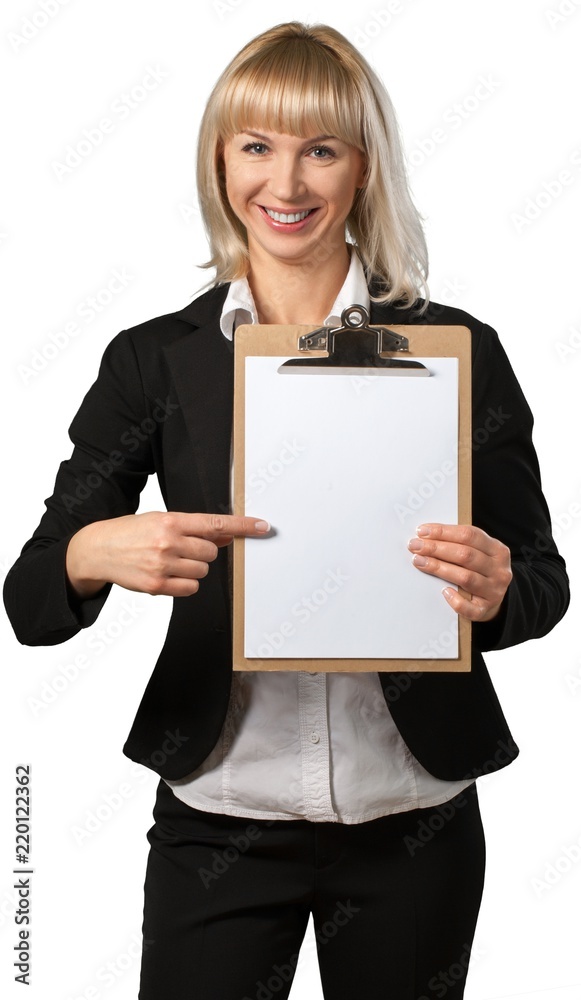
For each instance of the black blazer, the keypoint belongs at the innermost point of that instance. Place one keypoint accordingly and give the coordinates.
(163, 403)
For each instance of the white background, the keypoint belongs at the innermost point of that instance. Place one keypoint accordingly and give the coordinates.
(130, 205)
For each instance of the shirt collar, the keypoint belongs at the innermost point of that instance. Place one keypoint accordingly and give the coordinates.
(239, 306)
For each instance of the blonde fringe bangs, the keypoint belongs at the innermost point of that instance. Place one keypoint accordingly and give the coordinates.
(299, 94)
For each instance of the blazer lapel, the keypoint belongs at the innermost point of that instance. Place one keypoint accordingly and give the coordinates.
(202, 367)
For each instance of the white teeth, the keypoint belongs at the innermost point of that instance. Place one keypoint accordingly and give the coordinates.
(281, 217)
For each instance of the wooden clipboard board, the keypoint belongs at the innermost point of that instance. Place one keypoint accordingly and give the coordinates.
(423, 341)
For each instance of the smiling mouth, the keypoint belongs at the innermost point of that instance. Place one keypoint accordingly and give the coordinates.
(288, 216)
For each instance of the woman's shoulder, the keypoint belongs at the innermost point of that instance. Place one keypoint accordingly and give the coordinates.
(148, 352)
(434, 313)
(485, 339)
(162, 330)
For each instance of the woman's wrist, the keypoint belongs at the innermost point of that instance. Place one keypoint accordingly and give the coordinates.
(82, 572)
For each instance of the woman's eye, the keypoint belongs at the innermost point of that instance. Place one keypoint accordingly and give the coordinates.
(326, 150)
(253, 146)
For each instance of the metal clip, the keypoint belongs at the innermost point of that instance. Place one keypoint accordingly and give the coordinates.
(353, 348)
(355, 317)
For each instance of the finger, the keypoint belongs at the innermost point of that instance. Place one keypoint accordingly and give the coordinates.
(215, 526)
(223, 540)
(453, 553)
(468, 580)
(475, 610)
(193, 548)
(462, 534)
(189, 569)
(174, 586)
(176, 567)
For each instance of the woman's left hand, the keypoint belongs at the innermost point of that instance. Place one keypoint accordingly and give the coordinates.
(471, 559)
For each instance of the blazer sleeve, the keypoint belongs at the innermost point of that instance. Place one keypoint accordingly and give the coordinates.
(509, 504)
(103, 478)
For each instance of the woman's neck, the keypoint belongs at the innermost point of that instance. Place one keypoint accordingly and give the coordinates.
(297, 292)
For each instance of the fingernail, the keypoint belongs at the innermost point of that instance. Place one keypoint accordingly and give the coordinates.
(415, 544)
(262, 526)
(448, 591)
(420, 561)
(423, 530)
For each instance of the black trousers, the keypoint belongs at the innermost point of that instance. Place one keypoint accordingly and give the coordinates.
(228, 899)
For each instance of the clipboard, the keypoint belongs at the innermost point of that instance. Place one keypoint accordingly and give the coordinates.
(398, 361)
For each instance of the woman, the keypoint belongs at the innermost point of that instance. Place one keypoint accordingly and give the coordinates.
(351, 796)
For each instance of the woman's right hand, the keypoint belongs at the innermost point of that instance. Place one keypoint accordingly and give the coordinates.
(158, 552)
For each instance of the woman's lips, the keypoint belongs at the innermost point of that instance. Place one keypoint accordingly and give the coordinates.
(287, 227)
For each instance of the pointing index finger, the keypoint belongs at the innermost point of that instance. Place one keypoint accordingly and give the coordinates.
(234, 525)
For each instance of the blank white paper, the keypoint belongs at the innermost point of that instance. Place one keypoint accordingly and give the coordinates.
(344, 467)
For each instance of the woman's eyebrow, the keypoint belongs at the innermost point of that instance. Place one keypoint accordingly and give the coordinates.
(258, 135)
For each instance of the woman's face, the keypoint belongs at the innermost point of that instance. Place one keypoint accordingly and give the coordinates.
(310, 182)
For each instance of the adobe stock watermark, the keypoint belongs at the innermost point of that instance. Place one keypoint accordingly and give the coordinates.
(261, 478)
(453, 119)
(109, 973)
(302, 612)
(573, 681)
(112, 971)
(398, 684)
(569, 348)
(90, 307)
(130, 439)
(172, 743)
(555, 16)
(9, 901)
(450, 292)
(329, 928)
(434, 479)
(5, 565)
(120, 109)
(283, 973)
(437, 819)
(422, 492)
(189, 210)
(67, 674)
(440, 984)
(377, 21)
(223, 860)
(560, 524)
(32, 24)
(225, 7)
(549, 192)
(555, 870)
(93, 820)
(441, 645)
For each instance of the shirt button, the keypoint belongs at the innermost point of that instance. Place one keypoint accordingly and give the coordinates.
(315, 737)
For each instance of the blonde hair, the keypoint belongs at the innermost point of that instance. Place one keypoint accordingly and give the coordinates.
(304, 80)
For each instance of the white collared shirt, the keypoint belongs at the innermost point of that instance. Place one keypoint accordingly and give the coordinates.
(239, 306)
(300, 745)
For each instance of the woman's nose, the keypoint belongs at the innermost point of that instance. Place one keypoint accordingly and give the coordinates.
(286, 182)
